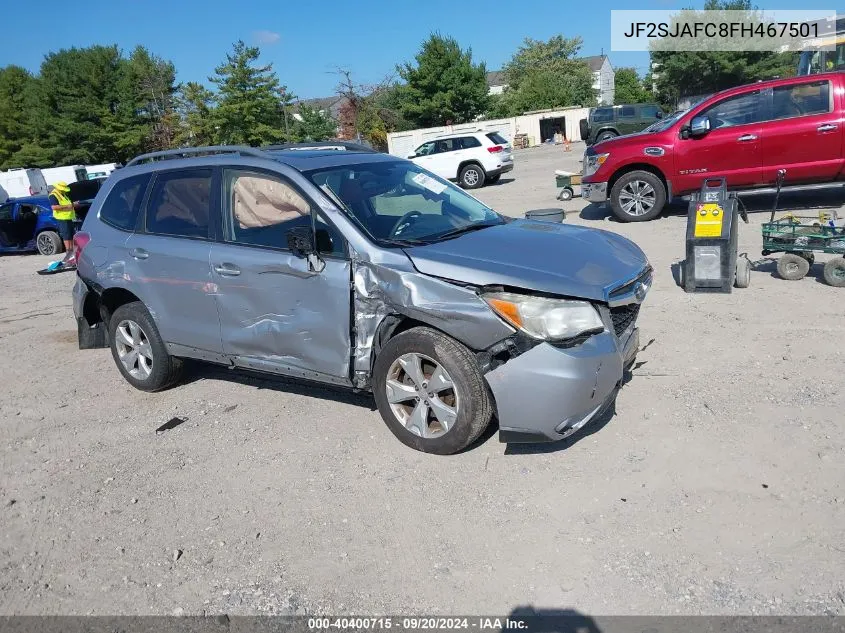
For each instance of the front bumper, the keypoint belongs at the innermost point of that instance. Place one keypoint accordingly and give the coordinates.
(594, 191)
(548, 393)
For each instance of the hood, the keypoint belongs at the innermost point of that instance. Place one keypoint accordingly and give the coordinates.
(560, 259)
(618, 141)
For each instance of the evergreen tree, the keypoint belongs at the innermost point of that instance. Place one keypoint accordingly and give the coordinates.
(444, 85)
(248, 108)
(15, 131)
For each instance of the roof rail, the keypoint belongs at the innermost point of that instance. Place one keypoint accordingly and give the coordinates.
(336, 145)
(172, 154)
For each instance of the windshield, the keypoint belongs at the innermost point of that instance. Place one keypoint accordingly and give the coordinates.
(399, 202)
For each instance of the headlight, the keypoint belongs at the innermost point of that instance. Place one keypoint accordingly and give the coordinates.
(548, 319)
(592, 163)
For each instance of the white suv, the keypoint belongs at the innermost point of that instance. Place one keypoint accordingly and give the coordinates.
(471, 158)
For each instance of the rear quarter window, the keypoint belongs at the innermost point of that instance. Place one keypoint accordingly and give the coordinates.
(602, 115)
(497, 138)
(120, 209)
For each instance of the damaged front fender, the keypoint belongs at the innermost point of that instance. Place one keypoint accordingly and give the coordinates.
(381, 292)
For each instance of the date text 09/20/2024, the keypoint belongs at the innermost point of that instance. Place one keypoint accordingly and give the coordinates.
(417, 623)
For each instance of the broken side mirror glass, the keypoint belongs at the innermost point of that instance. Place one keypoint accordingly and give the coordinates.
(301, 243)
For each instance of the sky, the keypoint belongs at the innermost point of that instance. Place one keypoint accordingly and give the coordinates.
(307, 41)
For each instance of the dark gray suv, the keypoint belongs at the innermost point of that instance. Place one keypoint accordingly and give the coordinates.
(362, 270)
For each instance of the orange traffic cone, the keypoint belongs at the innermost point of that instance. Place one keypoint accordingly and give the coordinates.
(567, 146)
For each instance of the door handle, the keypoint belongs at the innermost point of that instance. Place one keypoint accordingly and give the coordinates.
(227, 270)
(139, 253)
(747, 137)
(827, 127)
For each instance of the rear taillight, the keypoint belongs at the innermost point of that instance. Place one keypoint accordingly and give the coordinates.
(80, 241)
(495, 149)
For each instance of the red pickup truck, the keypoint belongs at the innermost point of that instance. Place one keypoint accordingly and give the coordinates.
(745, 134)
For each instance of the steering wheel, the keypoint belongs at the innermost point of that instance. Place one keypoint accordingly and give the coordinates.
(404, 222)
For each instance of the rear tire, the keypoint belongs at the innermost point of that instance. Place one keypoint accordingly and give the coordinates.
(472, 176)
(834, 272)
(793, 267)
(139, 351)
(468, 401)
(565, 194)
(49, 243)
(638, 196)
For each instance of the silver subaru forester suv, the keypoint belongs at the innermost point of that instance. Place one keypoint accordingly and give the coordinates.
(359, 269)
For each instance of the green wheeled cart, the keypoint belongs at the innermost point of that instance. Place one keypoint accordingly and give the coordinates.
(566, 181)
(800, 237)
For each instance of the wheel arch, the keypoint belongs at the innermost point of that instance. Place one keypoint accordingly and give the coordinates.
(470, 161)
(627, 169)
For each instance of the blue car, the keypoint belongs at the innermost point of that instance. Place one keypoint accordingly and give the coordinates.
(27, 224)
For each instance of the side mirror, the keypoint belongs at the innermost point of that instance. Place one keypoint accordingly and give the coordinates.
(659, 114)
(301, 243)
(412, 155)
(699, 126)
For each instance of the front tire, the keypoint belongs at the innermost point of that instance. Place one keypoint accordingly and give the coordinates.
(743, 273)
(638, 196)
(49, 243)
(430, 392)
(138, 350)
(472, 176)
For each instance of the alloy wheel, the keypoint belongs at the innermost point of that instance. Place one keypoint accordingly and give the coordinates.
(422, 395)
(637, 197)
(133, 349)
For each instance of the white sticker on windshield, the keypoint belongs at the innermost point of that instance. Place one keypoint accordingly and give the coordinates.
(429, 183)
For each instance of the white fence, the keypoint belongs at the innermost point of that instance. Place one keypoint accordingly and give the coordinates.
(539, 126)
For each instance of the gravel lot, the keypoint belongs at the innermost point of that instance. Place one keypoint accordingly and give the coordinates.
(716, 487)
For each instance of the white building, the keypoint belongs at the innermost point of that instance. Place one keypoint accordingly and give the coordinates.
(604, 78)
(496, 82)
(538, 126)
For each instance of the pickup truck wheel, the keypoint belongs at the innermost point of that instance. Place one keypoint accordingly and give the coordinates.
(430, 391)
(139, 351)
(793, 267)
(638, 196)
(605, 135)
(834, 272)
(49, 243)
(472, 176)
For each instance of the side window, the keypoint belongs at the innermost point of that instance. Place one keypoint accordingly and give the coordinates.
(649, 111)
(627, 112)
(603, 115)
(120, 209)
(801, 100)
(468, 142)
(738, 110)
(179, 203)
(425, 149)
(260, 209)
(447, 145)
(6, 211)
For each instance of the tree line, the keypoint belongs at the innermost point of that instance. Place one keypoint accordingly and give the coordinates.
(95, 104)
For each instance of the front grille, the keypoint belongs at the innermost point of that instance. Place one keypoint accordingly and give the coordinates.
(623, 317)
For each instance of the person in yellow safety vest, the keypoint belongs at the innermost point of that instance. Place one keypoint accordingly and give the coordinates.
(65, 215)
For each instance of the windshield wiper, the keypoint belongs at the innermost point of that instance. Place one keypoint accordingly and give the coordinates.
(402, 242)
(464, 229)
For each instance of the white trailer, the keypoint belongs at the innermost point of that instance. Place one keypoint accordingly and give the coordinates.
(66, 174)
(100, 171)
(19, 183)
